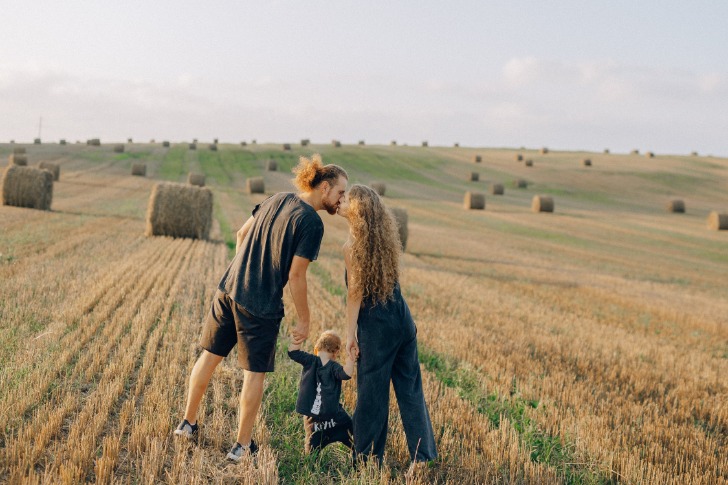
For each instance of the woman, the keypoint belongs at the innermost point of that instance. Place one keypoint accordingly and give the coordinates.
(380, 331)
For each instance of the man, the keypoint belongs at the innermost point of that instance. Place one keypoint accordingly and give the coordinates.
(274, 248)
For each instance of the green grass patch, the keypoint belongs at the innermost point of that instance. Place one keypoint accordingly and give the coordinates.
(175, 163)
(327, 281)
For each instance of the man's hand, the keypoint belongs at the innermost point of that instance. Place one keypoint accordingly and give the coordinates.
(300, 333)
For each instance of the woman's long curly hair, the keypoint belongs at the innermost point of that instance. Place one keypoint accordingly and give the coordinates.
(375, 246)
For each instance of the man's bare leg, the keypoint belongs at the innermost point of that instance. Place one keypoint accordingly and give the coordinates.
(199, 379)
(250, 398)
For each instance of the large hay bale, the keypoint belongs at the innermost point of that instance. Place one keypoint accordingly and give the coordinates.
(586, 162)
(400, 217)
(119, 148)
(305, 142)
(544, 151)
(518, 157)
(336, 143)
(36, 141)
(197, 179)
(213, 147)
(20, 159)
(271, 165)
(718, 221)
(94, 142)
(676, 205)
(520, 184)
(53, 168)
(193, 146)
(529, 163)
(477, 159)
(27, 187)
(63, 141)
(497, 189)
(19, 151)
(542, 203)
(179, 210)
(474, 200)
(255, 185)
(165, 144)
(424, 144)
(287, 146)
(139, 169)
(650, 155)
(474, 176)
(379, 187)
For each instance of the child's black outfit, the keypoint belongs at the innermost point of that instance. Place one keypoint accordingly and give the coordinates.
(325, 419)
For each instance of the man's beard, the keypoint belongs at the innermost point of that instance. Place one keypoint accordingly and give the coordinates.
(330, 208)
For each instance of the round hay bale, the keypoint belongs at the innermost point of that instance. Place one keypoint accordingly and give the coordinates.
(694, 154)
(542, 203)
(253, 142)
(243, 143)
(255, 185)
(544, 151)
(179, 210)
(379, 187)
(586, 162)
(53, 168)
(165, 144)
(271, 165)
(19, 151)
(361, 143)
(474, 200)
(635, 152)
(129, 140)
(336, 143)
(215, 141)
(400, 217)
(213, 147)
(520, 184)
(529, 163)
(139, 169)
(27, 187)
(63, 141)
(119, 148)
(94, 142)
(474, 176)
(676, 205)
(424, 143)
(20, 159)
(36, 141)
(718, 221)
(152, 141)
(305, 142)
(194, 140)
(197, 179)
(519, 157)
(606, 151)
(193, 146)
(287, 146)
(477, 159)
(650, 155)
(456, 145)
(497, 189)
(393, 143)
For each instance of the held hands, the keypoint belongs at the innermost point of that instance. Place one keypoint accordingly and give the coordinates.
(352, 347)
(299, 333)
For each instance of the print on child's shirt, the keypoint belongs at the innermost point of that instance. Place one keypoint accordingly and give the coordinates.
(316, 408)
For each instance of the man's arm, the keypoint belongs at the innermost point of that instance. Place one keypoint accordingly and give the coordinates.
(299, 291)
(242, 232)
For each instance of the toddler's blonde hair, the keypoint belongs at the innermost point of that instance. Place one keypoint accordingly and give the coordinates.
(329, 342)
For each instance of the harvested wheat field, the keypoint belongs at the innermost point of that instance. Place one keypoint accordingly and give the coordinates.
(586, 346)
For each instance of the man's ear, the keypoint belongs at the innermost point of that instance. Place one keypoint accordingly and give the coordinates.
(325, 187)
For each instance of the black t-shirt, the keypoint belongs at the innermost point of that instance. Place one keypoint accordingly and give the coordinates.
(320, 388)
(284, 226)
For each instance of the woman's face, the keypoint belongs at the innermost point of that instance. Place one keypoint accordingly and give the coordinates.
(344, 207)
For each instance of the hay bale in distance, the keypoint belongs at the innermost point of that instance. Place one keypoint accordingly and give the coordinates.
(542, 203)
(20, 159)
(520, 184)
(165, 144)
(336, 143)
(393, 143)
(361, 143)
(179, 210)
(287, 146)
(635, 152)
(94, 142)
(27, 187)
(19, 151)
(305, 142)
(197, 179)
(694, 154)
(36, 141)
(63, 141)
(255, 185)
(718, 221)
(129, 140)
(474, 200)
(650, 155)
(456, 145)
(400, 217)
(606, 151)
(193, 146)
(139, 169)
(529, 163)
(497, 189)
(544, 151)
(474, 176)
(676, 205)
(243, 143)
(53, 168)
(519, 157)
(271, 165)
(213, 147)
(424, 144)
(586, 162)
(379, 187)
(119, 148)
(477, 159)
(253, 142)
(215, 141)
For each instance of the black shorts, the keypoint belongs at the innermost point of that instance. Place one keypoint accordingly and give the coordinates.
(228, 324)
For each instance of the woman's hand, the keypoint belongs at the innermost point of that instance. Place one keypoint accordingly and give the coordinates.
(352, 347)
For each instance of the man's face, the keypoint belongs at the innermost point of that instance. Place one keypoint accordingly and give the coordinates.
(334, 195)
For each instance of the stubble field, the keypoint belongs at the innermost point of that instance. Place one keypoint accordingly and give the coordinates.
(585, 346)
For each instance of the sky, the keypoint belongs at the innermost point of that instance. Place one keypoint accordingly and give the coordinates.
(570, 75)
